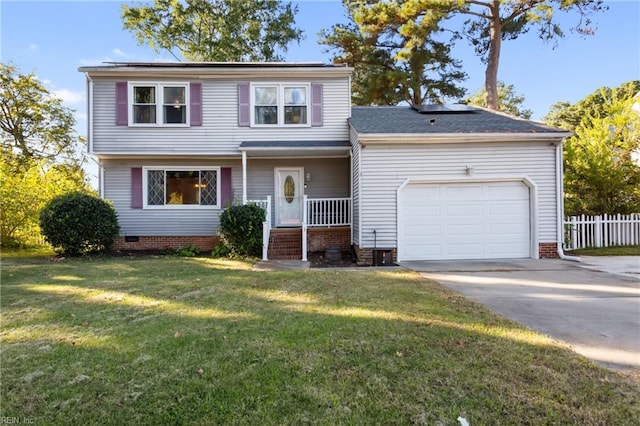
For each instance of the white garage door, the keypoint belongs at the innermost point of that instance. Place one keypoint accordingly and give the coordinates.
(464, 221)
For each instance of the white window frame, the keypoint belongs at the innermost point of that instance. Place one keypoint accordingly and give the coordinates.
(280, 105)
(178, 168)
(159, 102)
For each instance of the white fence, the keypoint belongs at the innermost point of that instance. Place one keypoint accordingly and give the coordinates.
(602, 231)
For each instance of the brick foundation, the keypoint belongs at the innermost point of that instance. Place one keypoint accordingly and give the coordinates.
(204, 243)
(319, 239)
(548, 250)
(365, 255)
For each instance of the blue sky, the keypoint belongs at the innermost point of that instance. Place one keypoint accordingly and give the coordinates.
(54, 38)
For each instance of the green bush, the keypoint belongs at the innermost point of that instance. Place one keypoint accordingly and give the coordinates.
(221, 250)
(77, 223)
(241, 229)
(189, 251)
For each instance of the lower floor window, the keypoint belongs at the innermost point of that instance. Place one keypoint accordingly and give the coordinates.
(182, 187)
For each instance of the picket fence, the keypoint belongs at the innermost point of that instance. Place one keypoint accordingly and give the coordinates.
(602, 231)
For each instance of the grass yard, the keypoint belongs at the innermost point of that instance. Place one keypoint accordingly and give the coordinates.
(171, 340)
(608, 251)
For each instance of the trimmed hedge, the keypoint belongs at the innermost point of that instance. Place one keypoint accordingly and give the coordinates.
(241, 229)
(77, 223)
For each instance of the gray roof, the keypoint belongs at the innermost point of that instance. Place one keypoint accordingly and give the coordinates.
(406, 120)
(295, 144)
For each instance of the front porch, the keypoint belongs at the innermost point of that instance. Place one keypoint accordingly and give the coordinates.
(305, 189)
(325, 223)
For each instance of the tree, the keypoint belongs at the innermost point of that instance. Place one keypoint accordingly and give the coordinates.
(508, 100)
(600, 173)
(34, 125)
(23, 194)
(493, 21)
(42, 155)
(490, 22)
(394, 55)
(215, 30)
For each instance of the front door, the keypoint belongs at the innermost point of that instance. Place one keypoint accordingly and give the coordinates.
(288, 192)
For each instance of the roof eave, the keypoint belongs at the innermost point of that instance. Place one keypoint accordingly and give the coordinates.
(421, 138)
(224, 72)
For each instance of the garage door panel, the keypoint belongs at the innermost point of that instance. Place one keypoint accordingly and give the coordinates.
(465, 221)
(464, 210)
(465, 230)
(463, 192)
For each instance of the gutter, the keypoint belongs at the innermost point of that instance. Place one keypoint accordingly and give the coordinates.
(560, 205)
(436, 138)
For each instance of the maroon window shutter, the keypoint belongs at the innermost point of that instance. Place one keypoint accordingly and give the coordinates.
(195, 104)
(136, 188)
(122, 107)
(244, 107)
(316, 105)
(226, 189)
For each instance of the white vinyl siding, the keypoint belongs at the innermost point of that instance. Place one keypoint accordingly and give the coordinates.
(162, 221)
(219, 133)
(384, 169)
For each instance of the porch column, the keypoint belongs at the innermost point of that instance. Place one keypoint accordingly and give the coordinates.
(244, 177)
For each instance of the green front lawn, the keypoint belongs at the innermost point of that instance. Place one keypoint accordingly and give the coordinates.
(608, 251)
(170, 340)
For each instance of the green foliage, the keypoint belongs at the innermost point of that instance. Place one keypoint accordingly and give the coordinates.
(77, 223)
(601, 175)
(508, 100)
(34, 124)
(215, 30)
(597, 104)
(490, 22)
(25, 188)
(395, 54)
(189, 251)
(241, 229)
(221, 250)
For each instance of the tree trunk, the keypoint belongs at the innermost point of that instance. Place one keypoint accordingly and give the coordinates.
(493, 60)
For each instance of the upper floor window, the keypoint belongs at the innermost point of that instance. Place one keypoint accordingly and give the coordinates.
(159, 104)
(280, 104)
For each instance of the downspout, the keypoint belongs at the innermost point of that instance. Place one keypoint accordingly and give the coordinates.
(560, 204)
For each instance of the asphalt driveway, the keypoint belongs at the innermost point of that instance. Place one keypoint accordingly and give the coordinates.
(596, 313)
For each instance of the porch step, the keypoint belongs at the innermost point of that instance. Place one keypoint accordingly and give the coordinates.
(285, 244)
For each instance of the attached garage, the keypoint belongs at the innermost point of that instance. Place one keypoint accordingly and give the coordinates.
(464, 220)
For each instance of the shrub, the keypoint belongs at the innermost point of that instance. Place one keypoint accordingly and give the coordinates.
(77, 223)
(241, 229)
(221, 250)
(189, 251)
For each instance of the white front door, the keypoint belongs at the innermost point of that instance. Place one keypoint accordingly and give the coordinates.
(289, 190)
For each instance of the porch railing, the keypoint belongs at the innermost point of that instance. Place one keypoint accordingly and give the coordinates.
(328, 211)
(316, 212)
(266, 225)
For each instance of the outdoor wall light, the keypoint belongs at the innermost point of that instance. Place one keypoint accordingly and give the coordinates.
(308, 177)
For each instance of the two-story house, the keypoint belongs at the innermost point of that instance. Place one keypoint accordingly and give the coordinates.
(177, 142)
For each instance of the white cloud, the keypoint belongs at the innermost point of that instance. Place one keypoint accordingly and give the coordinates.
(69, 96)
(33, 47)
(119, 52)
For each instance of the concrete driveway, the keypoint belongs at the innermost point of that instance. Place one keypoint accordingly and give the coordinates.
(596, 313)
